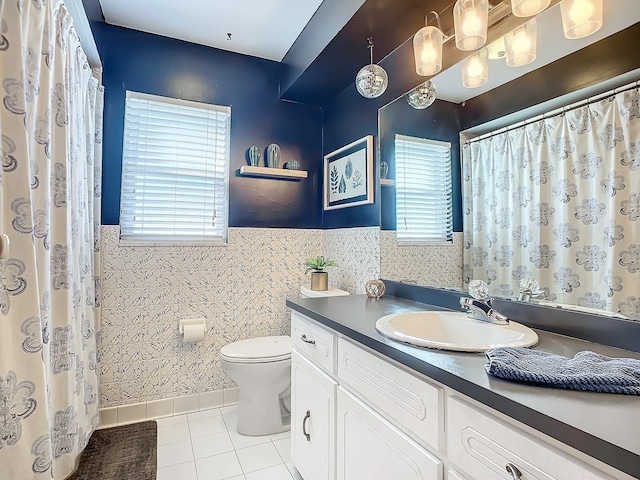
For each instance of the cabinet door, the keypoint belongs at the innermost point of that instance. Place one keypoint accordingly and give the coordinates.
(370, 448)
(313, 400)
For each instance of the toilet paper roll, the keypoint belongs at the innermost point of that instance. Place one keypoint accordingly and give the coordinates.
(193, 333)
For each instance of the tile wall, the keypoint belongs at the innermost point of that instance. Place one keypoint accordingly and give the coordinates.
(437, 265)
(357, 252)
(239, 288)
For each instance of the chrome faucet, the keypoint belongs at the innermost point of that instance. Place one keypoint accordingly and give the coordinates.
(480, 306)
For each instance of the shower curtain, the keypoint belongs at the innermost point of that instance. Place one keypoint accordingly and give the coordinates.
(558, 200)
(50, 127)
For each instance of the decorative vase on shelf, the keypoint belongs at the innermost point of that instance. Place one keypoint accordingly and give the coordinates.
(384, 169)
(254, 156)
(292, 165)
(273, 156)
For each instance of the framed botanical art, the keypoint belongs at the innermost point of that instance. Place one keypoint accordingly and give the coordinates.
(348, 175)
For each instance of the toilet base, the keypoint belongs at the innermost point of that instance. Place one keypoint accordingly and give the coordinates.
(261, 416)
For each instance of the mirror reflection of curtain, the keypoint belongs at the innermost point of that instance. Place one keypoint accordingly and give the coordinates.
(558, 200)
(50, 124)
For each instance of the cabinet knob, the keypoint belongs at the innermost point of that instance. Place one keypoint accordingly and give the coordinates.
(306, 340)
(513, 471)
(304, 425)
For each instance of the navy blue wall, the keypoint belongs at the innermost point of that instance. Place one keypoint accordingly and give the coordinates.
(440, 121)
(157, 65)
(349, 117)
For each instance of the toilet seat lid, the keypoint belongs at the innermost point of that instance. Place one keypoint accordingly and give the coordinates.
(260, 349)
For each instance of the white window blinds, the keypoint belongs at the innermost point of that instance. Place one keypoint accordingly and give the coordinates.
(174, 171)
(423, 190)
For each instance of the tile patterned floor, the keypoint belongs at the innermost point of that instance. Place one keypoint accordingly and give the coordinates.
(206, 446)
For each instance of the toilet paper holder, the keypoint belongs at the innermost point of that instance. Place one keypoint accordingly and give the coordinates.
(191, 321)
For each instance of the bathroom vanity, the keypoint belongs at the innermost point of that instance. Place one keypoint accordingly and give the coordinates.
(366, 407)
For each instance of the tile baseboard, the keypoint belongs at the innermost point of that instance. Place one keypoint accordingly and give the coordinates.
(167, 407)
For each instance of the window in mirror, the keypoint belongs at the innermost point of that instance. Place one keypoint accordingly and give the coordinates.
(423, 190)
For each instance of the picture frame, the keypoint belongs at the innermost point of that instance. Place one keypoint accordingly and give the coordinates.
(348, 179)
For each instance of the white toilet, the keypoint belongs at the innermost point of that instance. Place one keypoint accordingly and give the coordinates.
(261, 367)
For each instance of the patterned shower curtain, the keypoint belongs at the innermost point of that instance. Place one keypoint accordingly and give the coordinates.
(558, 200)
(50, 126)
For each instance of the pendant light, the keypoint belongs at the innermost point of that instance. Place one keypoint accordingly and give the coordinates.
(372, 79)
(427, 49)
(581, 18)
(521, 43)
(528, 8)
(470, 19)
(475, 69)
(422, 96)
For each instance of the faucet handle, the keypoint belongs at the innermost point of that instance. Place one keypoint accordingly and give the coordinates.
(479, 290)
(529, 288)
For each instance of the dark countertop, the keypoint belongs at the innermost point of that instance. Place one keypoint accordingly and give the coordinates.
(604, 426)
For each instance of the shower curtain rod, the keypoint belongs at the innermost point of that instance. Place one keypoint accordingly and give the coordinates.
(556, 112)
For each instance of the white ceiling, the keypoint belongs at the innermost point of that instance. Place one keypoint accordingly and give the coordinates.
(262, 28)
(552, 45)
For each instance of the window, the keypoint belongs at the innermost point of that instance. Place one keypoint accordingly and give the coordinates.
(175, 166)
(423, 190)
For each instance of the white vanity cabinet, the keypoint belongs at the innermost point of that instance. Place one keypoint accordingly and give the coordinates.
(357, 415)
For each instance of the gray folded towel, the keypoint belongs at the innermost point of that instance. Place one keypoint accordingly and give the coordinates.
(587, 371)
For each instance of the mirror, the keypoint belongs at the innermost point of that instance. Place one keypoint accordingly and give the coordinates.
(442, 265)
(431, 265)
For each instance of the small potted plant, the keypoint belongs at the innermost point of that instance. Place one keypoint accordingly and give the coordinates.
(319, 278)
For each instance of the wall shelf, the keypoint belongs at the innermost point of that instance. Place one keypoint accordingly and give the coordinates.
(250, 171)
(387, 182)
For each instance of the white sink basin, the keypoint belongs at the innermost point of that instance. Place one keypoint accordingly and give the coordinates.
(453, 331)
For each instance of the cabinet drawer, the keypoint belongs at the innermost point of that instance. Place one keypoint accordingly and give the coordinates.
(370, 448)
(313, 341)
(482, 446)
(406, 400)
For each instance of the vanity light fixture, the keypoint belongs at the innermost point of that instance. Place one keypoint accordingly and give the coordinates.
(581, 18)
(520, 44)
(470, 20)
(422, 96)
(475, 69)
(497, 49)
(427, 48)
(372, 80)
(528, 8)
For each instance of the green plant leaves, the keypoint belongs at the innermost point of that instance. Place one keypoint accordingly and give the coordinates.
(318, 264)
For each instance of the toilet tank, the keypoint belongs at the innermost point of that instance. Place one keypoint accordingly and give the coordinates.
(306, 292)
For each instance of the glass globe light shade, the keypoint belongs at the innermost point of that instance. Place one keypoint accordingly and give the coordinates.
(372, 81)
(521, 44)
(581, 18)
(422, 96)
(470, 19)
(528, 8)
(475, 69)
(427, 49)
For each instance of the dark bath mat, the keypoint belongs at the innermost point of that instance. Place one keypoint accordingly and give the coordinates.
(120, 453)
